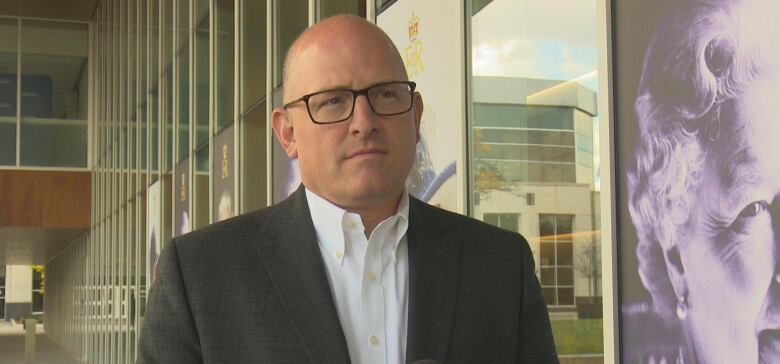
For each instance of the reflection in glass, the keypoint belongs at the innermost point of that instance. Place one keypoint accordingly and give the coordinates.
(333, 7)
(142, 85)
(154, 87)
(224, 20)
(9, 30)
(253, 179)
(132, 89)
(253, 58)
(201, 64)
(183, 79)
(296, 19)
(201, 203)
(54, 87)
(533, 122)
(167, 79)
(253, 73)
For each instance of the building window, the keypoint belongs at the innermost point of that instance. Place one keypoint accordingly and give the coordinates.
(507, 221)
(54, 88)
(530, 143)
(556, 259)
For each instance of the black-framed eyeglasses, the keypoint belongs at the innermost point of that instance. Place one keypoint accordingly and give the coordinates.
(333, 106)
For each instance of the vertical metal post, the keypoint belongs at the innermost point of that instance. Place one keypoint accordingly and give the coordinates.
(212, 102)
(269, 90)
(238, 121)
(371, 10)
(29, 341)
(312, 12)
(192, 122)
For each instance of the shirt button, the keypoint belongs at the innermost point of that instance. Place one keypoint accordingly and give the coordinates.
(371, 276)
(350, 224)
(373, 340)
(338, 254)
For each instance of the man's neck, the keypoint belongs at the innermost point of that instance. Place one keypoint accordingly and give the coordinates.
(373, 216)
(372, 213)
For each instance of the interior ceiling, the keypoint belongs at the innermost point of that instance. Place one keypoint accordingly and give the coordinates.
(80, 10)
(24, 246)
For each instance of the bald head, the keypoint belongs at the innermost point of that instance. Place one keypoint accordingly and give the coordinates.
(340, 33)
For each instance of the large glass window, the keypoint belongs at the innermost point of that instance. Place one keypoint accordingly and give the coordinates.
(291, 19)
(508, 221)
(183, 78)
(153, 91)
(533, 127)
(253, 108)
(132, 90)
(166, 68)
(224, 19)
(201, 64)
(334, 7)
(9, 33)
(253, 52)
(555, 259)
(202, 84)
(201, 202)
(148, 146)
(54, 85)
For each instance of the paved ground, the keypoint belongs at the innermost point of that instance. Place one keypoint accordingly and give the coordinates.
(46, 351)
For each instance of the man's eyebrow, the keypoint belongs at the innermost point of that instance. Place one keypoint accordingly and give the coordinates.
(737, 169)
(336, 88)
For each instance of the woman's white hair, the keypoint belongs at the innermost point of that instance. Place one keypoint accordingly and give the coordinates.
(701, 58)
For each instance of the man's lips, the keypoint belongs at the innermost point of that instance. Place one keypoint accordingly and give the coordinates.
(366, 152)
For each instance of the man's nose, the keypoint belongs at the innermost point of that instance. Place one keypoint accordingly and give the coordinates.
(364, 120)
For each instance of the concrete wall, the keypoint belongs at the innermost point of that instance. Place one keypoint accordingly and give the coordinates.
(18, 286)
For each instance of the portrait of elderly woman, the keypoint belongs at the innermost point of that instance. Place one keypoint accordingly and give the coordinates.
(703, 186)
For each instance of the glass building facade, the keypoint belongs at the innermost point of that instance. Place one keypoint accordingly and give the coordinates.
(168, 102)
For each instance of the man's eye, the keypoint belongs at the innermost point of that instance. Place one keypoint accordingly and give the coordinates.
(330, 102)
(752, 210)
(334, 101)
(388, 94)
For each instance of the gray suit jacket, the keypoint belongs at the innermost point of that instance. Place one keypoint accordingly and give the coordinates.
(253, 289)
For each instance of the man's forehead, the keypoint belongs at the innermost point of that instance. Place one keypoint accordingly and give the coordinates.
(337, 57)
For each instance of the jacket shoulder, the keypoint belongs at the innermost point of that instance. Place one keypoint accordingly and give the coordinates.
(453, 221)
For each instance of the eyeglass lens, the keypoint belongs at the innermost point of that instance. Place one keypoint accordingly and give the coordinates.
(385, 99)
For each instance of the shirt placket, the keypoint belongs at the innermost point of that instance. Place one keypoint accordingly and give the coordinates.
(373, 304)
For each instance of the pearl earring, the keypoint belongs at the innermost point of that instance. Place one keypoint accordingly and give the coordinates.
(682, 307)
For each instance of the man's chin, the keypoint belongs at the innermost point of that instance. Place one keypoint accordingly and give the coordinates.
(769, 346)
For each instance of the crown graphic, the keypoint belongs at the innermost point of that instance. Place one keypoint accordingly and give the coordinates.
(414, 26)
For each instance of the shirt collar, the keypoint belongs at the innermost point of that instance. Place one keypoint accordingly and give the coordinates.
(327, 219)
(329, 222)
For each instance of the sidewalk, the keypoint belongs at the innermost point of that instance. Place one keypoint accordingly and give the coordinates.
(46, 351)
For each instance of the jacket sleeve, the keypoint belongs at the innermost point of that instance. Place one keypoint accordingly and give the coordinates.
(535, 339)
(168, 332)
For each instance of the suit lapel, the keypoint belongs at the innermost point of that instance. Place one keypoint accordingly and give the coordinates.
(433, 278)
(293, 261)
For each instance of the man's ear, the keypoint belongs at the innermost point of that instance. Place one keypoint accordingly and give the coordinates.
(676, 271)
(418, 111)
(283, 128)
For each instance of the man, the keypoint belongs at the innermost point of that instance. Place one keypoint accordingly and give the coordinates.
(349, 268)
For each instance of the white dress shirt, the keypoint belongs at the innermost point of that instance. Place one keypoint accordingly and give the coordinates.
(369, 278)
